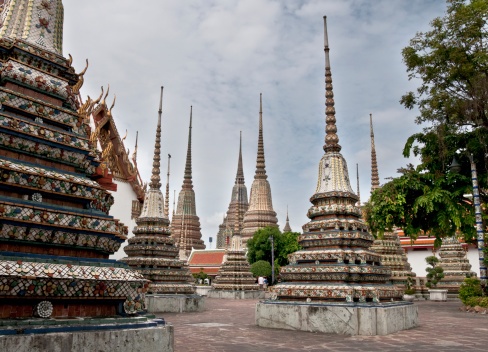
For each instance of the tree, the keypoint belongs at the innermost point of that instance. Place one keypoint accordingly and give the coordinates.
(451, 61)
(261, 268)
(259, 246)
(434, 272)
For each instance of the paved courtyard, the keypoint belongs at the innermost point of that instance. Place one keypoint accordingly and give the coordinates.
(228, 326)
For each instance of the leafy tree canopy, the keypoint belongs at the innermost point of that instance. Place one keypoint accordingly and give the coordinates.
(451, 62)
(259, 246)
(261, 268)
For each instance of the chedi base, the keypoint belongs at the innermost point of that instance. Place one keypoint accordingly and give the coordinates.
(344, 319)
(162, 303)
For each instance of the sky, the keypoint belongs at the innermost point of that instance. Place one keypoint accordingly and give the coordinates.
(219, 55)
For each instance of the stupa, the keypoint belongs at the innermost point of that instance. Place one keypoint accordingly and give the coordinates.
(388, 247)
(237, 207)
(234, 279)
(260, 213)
(287, 227)
(455, 264)
(185, 224)
(56, 233)
(335, 284)
(152, 251)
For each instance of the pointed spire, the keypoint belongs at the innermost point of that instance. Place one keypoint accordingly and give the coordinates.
(166, 201)
(357, 177)
(240, 170)
(375, 179)
(188, 177)
(260, 162)
(287, 227)
(331, 138)
(155, 178)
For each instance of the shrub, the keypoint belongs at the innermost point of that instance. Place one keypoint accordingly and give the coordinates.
(471, 287)
(477, 301)
(409, 286)
(261, 268)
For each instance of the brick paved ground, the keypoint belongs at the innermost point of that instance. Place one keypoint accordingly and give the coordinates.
(228, 326)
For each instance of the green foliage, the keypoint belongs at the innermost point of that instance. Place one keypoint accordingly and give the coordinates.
(409, 286)
(261, 268)
(200, 275)
(451, 63)
(471, 287)
(477, 301)
(259, 246)
(434, 273)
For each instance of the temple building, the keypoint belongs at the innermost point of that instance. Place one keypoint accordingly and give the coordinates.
(455, 264)
(185, 224)
(260, 213)
(237, 207)
(125, 184)
(388, 246)
(335, 267)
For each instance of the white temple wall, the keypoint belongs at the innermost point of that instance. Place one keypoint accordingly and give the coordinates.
(416, 258)
(121, 209)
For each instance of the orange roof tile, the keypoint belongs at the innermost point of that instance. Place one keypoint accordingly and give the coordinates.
(206, 257)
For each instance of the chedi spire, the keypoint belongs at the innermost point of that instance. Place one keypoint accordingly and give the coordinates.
(237, 207)
(185, 225)
(375, 179)
(260, 213)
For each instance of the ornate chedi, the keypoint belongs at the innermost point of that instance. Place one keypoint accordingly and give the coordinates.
(389, 247)
(335, 264)
(375, 179)
(237, 207)
(260, 212)
(455, 264)
(234, 279)
(55, 230)
(152, 251)
(287, 227)
(185, 224)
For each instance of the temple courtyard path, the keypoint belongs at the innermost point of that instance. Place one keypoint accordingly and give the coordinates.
(228, 326)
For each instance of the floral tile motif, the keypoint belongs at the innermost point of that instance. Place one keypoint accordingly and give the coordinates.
(40, 80)
(38, 178)
(83, 161)
(39, 215)
(33, 233)
(44, 111)
(43, 132)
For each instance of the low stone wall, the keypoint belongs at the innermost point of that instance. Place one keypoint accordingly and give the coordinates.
(174, 303)
(157, 339)
(225, 294)
(203, 290)
(360, 319)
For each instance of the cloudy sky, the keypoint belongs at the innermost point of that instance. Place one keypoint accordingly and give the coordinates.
(218, 55)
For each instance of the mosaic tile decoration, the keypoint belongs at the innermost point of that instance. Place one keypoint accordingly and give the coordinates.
(40, 215)
(44, 132)
(44, 110)
(27, 75)
(46, 280)
(37, 233)
(23, 48)
(39, 178)
(83, 161)
(40, 23)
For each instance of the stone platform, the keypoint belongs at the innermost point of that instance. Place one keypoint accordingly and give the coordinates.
(345, 319)
(228, 294)
(157, 303)
(104, 334)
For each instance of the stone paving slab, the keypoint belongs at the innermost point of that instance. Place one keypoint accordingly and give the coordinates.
(228, 326)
